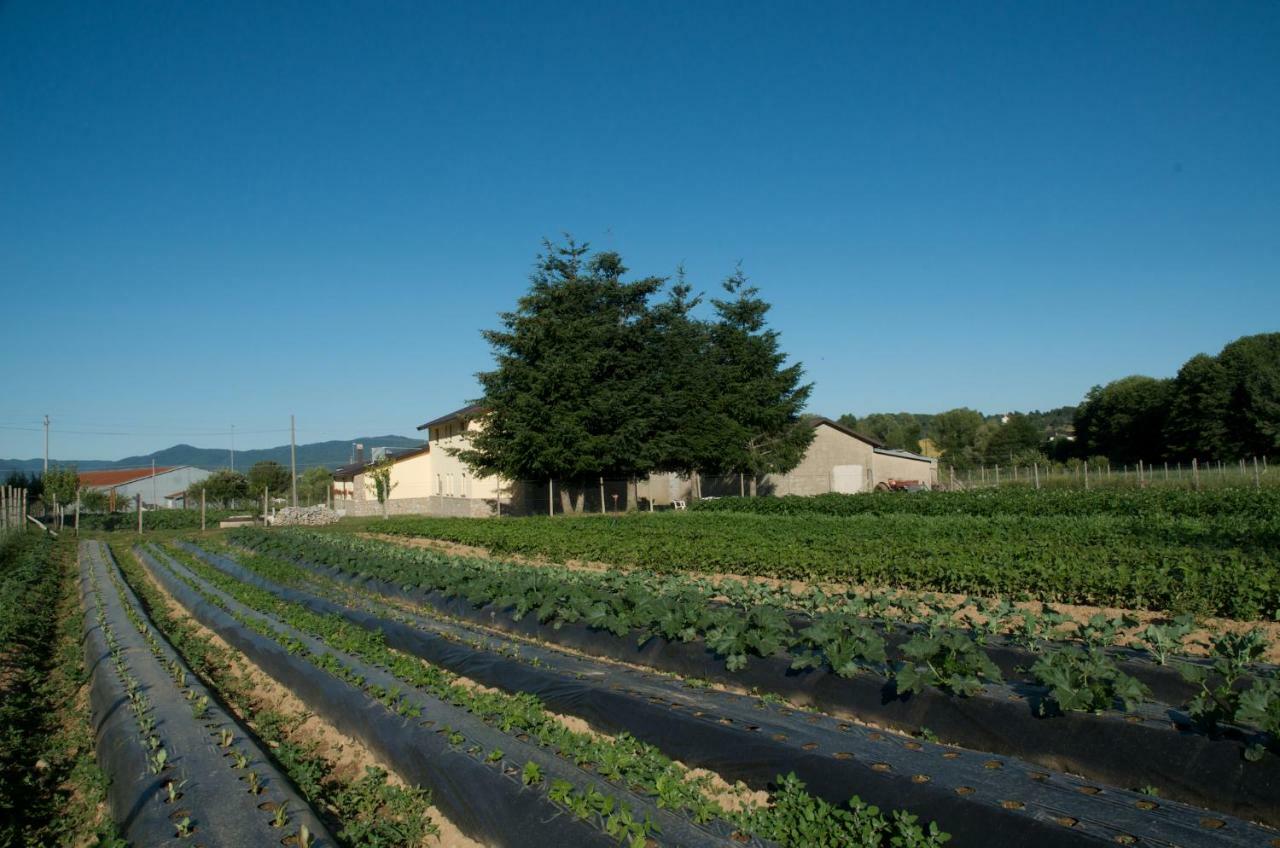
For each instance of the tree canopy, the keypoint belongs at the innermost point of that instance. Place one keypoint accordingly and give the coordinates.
(1217, 407)
(221, 487)
(596, 377)
(270, 476)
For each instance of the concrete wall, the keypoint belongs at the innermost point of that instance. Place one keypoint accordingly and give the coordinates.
(890, 467)
(813, 475)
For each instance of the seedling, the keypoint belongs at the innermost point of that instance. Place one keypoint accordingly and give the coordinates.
(184, 827)
(157, 760)
(532, 774)
(281, 816)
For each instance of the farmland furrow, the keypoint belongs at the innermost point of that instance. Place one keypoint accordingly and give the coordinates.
(973, 795)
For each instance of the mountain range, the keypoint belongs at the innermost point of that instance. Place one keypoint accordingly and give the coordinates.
(329, 454)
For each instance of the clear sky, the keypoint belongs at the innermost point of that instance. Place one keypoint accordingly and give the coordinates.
(222, 213)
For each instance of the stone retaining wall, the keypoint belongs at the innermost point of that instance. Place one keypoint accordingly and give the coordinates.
(433, 505)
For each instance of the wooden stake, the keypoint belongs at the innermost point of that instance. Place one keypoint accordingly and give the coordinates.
(601, 496)
(138, 504)
(202, 509)
(551, 497)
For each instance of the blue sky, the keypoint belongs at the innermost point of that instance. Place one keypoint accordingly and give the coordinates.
(222, 213)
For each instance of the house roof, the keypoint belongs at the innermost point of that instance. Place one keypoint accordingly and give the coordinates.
(818, 421)
(120, 476)
(466, 412)
(349, 472)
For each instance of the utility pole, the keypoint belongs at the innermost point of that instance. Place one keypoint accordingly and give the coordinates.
(293, 460)
(46, 446)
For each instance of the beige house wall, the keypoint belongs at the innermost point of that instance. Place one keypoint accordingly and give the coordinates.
(410, 478)
(451, 478)
(813, 476)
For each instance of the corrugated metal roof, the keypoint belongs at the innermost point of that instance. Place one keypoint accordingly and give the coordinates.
(466, 412)
(120, 476)
(905, 454)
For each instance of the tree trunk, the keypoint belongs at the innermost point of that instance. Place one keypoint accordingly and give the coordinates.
(569, 498)
(384, 509)
(754, 481)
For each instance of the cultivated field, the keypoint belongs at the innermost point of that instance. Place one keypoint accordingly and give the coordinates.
(326, 687)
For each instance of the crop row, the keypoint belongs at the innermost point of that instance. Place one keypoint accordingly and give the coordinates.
(180, 767)
(707, 728)
(631, 763)
(50, 788)
(1233, 503)
(367, 811)
(154, 519)
(1174, 564)
(1078, 676)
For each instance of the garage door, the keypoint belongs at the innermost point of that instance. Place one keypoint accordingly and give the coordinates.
(847, 479)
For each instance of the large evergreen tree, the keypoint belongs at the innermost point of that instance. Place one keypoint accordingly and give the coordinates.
(592, 379)
(567, 400)
(757, 397)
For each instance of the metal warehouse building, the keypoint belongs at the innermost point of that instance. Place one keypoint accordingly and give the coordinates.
(164, 487)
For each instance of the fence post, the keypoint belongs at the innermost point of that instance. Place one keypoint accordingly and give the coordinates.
(137, 501)
(1035, 470)
(601, 496)
(202, 509)
(1195, 472)
(997, 475)
(551, 497)
(1257, 480)
(77, 513)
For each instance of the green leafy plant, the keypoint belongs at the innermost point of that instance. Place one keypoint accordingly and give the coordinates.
(1086, 679)
(949, 661)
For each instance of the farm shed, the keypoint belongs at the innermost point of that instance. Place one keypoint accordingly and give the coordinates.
(157, 489)
(838, 460)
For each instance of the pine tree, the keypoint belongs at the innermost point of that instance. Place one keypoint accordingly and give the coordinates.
(758, 397)
(567, 400)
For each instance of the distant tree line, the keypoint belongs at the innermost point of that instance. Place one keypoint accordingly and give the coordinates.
(226, 488)
(1222, 407)
(600, 376)
(968, 438)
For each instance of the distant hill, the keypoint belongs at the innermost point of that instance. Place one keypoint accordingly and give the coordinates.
(329, 454)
